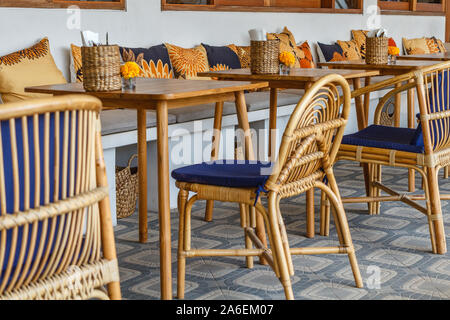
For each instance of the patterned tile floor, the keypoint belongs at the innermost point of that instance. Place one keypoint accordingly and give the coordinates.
(393, 247)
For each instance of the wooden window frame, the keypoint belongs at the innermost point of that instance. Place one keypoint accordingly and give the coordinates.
(412, 7)
(107, 5)
(326, 6)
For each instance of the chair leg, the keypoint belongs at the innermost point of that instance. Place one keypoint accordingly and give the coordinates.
(375, 176)
(324, 215)
(284, 239)
(342, 225)
(435, 219)
(446, 172)
(247, 221)
(277, 247)
(183, 207)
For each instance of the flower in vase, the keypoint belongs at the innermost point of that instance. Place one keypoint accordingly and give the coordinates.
(287, 58)
(130, 70)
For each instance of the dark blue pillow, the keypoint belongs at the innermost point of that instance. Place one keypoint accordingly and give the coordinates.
(154, 61)
(441, 103)
(221, 58)
(331, 52)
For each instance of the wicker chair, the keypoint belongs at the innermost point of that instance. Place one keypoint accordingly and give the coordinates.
(425, 149)
(306, 153)
(56, 235)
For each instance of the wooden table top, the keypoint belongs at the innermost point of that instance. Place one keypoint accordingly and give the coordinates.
(156, 89)
(296, 74)
(445, 56)
(406, 65)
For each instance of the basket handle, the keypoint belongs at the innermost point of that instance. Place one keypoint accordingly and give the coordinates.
(134, 156)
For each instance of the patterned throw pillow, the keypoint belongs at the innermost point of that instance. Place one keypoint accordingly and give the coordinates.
(188, 62)
(76, 64)
(154, 61)
(435, 45)
(222, 58)
(360, 37)
(330, 52)
(350, 50)
(307, 61)
(287, 43)
(243, 53)
(415, 46)
(26, 68)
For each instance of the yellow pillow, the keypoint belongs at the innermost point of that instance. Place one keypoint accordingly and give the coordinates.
(76, 63)
(416, 46)
(435, 45)
(360, 37)
(287, 43)
(350, 50)
(25, 68)
(188, 62)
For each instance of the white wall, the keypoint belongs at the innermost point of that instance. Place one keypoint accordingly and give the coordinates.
(143, 24)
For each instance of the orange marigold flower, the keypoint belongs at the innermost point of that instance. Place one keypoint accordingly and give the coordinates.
(287, 58)
(130, 70)
(393, 51)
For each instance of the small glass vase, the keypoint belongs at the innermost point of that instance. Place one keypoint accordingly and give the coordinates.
(129, 84)
(284, 69)
(392, 59)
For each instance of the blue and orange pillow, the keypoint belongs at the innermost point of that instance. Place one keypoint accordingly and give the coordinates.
(330, 52)
(222, 57)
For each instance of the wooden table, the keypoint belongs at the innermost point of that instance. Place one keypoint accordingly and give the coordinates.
(400, 67)
(162, 95)
(297, 78)
(445, 56)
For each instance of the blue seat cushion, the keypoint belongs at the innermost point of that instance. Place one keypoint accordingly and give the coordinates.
(226, 173)
(377, 136)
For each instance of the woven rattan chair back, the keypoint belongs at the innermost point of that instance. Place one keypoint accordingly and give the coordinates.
(433, 87)
(53, 210)
(307, 146)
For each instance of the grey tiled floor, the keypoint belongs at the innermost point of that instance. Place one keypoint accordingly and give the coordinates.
(393, 247)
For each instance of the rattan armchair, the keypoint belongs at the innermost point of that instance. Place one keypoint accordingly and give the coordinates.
(307, 152)
(56, 235)
(425, 149)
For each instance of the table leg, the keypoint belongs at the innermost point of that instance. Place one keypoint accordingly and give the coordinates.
(411, 124)
(272, 123)
(310, 200)
(164, 201)
(361, 120)
(241, 111)
(215, 151)
(142, 164)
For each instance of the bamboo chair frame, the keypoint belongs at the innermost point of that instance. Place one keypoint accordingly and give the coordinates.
(306, 155)
(79, 258)
(436, 153)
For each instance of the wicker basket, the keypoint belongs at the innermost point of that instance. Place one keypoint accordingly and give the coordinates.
(264, 56)
(127, 189)
(377, 50)
(101, 68)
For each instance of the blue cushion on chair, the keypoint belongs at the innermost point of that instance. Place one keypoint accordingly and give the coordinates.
(441, 103)
(384, 137)
(9, 180)
(225, 173)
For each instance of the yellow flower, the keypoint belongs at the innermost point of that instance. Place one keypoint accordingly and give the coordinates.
(287, 58)
(393, 51)
(130, 70)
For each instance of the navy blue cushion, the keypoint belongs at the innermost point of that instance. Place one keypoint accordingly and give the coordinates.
(384, 137)
(441, 103)
(9, 179)
(225, 173)
(221, 58)
(331, 52)
(154, 61)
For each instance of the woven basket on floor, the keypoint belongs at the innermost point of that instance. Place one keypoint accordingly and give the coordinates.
(377, 50)
(101, 68)
(264, 56)
(127, 189)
